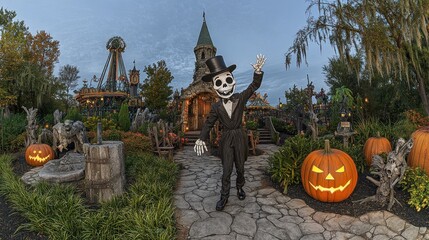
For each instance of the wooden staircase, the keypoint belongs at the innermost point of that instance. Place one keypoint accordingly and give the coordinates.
(264, 136)
(192, 136)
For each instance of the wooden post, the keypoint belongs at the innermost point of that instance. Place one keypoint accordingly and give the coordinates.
(104, 171)
(99, 133)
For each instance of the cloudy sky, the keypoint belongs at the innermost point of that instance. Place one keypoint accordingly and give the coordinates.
(168, 30)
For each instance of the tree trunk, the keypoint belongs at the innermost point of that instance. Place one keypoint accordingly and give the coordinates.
(422, 93)
(390, 171)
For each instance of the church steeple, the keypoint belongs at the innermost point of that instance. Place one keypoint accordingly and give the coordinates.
(204, 38)
(203, 51)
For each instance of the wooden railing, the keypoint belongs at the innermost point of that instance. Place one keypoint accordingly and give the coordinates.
(275, 136)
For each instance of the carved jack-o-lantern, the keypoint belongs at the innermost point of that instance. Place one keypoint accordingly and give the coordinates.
(38, 154)
(329, 175)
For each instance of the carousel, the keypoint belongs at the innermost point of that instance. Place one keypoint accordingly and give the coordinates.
(113, 86)
(258, 107)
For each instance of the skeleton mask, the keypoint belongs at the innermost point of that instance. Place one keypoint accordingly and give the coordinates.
(224, 84)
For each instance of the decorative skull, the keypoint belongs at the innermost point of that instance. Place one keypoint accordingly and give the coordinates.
(221, 76)
(224, 84)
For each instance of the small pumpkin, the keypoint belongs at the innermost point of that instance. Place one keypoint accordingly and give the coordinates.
(38, 154)
(419, 154)
(374, 146)
(329, 175)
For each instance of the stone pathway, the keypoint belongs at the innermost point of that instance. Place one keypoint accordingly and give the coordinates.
(266, 213)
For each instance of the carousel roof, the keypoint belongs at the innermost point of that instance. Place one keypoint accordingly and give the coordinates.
(257, 102)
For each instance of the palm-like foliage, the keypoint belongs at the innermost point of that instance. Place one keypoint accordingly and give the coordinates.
(390, 34)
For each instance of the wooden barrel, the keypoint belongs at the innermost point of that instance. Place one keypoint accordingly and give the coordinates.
(104, 170)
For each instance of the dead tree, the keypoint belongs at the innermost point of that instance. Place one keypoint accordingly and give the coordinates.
(390, 173)
(58, 115)
(312, 116)
(31, 128)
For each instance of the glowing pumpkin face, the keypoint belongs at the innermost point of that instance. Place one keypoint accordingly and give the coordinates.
(329, 175)
(38, 154)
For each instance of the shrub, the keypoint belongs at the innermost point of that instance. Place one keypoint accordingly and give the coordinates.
(284, 127)
(251, 125)
(144, 129)
(133, 142)
(136, 142)
(18, 143)
(367, 128)
(73, 114)
(10, 130)
(112, 135)
(416, 118)
(145, 212)
(416, 182)
(124, 121)
(107, 124)
(278, 124)
(285, 165)
(53, 209)
(402, 129)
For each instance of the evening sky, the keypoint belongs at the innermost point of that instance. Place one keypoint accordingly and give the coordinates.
(168, 30)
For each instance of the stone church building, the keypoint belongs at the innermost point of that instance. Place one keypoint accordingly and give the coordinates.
(199, 95)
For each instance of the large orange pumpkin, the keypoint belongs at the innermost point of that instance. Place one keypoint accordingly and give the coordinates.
(375, 146)
(38, 154)
(329, 175)
(419, 154)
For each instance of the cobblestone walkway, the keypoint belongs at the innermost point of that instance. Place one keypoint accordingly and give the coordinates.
(266, 213)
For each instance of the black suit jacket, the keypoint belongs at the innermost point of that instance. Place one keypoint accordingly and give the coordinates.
(232, 133)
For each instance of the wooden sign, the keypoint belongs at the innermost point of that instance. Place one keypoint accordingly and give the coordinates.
(345, 124)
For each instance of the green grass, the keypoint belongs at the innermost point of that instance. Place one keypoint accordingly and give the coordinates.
(145, 211)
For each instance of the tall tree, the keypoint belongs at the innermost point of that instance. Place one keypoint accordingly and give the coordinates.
(44, 51)
(124, 121)
(68, 77)
(12, 55)
(390, 34)
(396, 97)
(295, 105)
(26, 65)
(155, 88)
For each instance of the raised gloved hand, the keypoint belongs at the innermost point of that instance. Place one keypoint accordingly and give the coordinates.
(200, 147)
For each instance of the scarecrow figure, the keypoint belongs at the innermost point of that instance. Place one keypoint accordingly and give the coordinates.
(233, 144)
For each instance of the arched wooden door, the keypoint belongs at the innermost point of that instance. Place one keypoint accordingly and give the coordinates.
(203, 111)
(198, 110)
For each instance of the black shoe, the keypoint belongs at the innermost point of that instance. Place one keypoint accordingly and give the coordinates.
(241, 194)
(221, 203)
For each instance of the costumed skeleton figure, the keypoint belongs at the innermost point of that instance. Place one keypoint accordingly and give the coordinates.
(233, 146)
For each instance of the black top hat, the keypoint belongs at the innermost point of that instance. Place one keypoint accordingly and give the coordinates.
(216, 65)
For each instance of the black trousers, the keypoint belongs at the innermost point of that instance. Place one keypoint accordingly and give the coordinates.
(231, 156)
